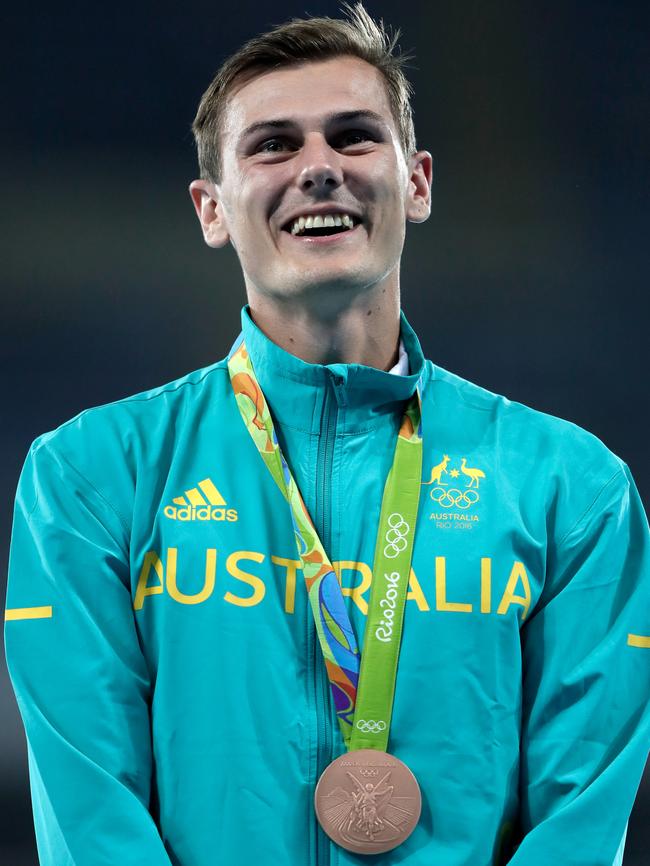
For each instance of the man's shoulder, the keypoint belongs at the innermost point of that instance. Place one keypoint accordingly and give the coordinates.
(163, 400)
(136, 418)
(105, 452)
(530, 431)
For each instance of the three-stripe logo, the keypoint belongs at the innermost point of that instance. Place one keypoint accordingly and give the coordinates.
(203, 502)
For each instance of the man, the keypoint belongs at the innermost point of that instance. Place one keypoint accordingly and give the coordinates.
(189, 672)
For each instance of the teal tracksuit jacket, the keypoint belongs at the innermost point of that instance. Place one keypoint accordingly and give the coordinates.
(164, 657)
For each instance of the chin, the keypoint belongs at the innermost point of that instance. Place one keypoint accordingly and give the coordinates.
(341, 281)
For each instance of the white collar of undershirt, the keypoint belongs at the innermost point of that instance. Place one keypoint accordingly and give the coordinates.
(402, 366)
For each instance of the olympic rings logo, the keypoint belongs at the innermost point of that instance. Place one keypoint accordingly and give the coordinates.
(371, 726)
(454, 496)
(396, 542)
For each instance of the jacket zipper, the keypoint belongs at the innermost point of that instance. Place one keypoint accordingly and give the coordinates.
(326, 443)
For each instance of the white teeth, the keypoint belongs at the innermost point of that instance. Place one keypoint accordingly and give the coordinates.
(316, 222)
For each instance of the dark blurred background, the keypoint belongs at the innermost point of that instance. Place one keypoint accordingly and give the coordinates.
(530, 278)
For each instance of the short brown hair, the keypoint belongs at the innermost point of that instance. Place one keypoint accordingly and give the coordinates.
(302, 40)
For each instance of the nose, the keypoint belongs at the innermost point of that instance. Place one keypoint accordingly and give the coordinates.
(321, 166)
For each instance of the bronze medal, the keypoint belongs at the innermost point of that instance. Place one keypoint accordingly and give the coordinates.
(368, 801)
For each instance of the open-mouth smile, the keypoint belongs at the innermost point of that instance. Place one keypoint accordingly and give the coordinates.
(322, 227)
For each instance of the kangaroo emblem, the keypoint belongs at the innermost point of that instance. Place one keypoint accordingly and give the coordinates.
(436, 472)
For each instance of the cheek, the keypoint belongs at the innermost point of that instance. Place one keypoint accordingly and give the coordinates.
(253, 202)
(390, 187)
(243, 221)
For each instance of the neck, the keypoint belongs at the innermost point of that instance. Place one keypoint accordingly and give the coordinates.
(366, 332)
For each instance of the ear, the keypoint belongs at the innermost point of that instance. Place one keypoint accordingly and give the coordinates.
(418, 205)
(207, 204)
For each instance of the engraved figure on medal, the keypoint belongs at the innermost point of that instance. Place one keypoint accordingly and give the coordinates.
(364, 807)
(369, 815)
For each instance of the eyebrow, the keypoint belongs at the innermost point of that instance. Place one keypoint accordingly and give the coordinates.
(337, 117)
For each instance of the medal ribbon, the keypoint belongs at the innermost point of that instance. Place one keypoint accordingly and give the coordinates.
(363, 688)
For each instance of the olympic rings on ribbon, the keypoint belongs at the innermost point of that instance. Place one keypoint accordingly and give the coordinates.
(454, 496)
(396, 536)
(371, 726)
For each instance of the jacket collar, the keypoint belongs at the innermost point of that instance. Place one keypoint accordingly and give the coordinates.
(296, 391)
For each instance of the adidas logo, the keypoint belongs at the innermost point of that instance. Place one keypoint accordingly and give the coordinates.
(203, 502)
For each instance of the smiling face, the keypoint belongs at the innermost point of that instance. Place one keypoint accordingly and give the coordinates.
(308, 143)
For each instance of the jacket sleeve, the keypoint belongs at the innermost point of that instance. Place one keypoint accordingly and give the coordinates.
(586, 688)
(78, 672)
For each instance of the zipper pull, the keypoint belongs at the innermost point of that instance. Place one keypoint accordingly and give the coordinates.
(338, 384)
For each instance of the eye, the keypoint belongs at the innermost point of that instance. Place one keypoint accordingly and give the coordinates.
(272, 145)
(355, 136)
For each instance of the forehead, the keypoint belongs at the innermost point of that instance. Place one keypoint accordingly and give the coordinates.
(308, 92)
